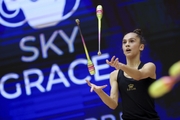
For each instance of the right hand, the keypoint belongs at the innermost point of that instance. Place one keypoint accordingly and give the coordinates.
(114, 63)
(95, 87)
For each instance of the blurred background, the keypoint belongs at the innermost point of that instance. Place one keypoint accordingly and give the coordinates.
(43, 63)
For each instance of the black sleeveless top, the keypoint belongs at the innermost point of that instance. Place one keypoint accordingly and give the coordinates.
(136, 102)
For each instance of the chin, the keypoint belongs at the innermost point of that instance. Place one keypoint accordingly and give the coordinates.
(129, 55)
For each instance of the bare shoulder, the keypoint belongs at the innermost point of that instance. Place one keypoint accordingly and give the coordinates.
(149, 70)
(113, 75)
(149, 65)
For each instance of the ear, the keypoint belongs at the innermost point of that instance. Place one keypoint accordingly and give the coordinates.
(141, 47)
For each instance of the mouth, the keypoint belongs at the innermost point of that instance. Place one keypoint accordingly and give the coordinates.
(128, 50)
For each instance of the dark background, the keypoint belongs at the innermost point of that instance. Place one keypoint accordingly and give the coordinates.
(160, 23)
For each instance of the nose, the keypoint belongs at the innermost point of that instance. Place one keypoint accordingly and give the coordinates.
(127, 44)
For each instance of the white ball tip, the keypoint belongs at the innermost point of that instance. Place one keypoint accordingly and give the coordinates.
(77, 21)
(99, 53)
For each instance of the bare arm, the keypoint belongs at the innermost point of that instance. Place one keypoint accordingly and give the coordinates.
(112, 100)
(148, 70)
(114, 94)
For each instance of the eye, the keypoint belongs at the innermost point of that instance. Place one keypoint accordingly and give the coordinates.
(131, 40)
(124, 42)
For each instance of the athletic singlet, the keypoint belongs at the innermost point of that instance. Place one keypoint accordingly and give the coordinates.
(136, 102)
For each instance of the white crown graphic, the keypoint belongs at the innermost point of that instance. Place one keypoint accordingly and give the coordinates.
(38, 13)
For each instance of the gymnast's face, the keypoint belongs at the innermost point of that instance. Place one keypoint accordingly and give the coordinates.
(131, 45)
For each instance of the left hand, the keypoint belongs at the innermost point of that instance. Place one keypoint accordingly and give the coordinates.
(95, 87)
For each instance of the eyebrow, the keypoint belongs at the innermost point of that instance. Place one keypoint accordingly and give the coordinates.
(130, 39)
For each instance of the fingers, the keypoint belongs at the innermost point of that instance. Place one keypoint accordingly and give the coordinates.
(88, 83)
(112, 59)
(114, 62)
(102, 87)
(110, 62)
(91, 85)
(107, 61)
(95, 88)
(92, 88)
(118, 64)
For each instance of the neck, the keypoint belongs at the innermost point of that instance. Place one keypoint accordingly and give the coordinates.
(133, 62)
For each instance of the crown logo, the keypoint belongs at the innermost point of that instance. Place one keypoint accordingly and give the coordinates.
(131, 87)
